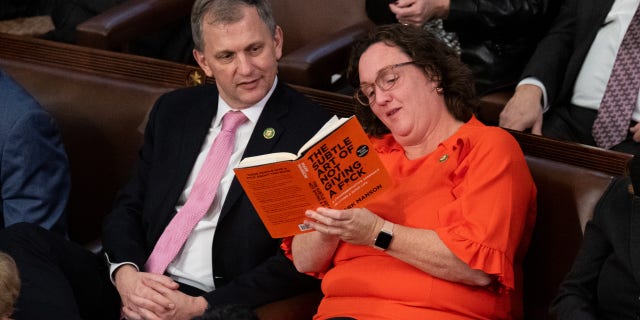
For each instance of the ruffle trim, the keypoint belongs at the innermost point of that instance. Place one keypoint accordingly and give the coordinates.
(491, 261)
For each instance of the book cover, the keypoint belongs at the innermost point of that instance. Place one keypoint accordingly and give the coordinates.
(337, 168)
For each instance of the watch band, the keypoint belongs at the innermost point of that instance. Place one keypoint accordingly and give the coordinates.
(383, 240)
(387, 227)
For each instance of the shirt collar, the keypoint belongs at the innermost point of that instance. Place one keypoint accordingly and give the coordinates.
(252, 113)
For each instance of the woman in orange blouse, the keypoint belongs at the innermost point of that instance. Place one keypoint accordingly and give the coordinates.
(447, 241)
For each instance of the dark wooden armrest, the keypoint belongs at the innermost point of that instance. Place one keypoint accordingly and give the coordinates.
(313, 64)
(116, 27)
(573, 153)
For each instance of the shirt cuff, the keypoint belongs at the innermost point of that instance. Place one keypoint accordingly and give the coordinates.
(535, 82)
(114, 266)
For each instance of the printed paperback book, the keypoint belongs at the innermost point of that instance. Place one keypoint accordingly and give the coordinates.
(337, 168)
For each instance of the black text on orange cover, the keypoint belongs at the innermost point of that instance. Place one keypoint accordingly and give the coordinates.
(340, 171)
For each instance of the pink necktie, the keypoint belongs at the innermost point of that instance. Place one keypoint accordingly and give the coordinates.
(614, 115)
(201, 196)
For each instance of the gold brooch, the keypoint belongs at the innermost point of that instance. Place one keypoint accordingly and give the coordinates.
(269, 133)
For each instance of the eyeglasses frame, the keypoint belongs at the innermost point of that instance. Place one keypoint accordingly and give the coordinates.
(359, 94)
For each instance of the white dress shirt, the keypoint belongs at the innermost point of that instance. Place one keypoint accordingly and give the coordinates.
(596, 68)
(598, 64)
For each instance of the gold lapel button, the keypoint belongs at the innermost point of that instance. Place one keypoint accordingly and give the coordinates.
(269, 133)
(444, 158)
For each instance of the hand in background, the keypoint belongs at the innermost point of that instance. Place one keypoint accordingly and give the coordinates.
(524, 110)
(418, 12)
(635, 130)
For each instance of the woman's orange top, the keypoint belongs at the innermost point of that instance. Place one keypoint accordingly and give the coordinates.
(475, 191)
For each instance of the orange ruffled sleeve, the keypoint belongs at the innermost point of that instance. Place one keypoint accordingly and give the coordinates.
(490, 222)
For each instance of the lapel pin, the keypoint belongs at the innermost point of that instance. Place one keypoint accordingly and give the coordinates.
(444, 158)
(269, 133)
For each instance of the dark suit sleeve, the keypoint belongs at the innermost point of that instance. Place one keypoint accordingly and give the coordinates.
(274, 279)
(123, 235)
(549, 61)
(577, 296)
(478, 17)
(378, 11)
(35, 173)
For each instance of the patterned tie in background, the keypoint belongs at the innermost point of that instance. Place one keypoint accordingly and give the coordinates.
(200, 198)
(614, 115)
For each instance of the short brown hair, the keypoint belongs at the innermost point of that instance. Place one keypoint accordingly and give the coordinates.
(439, 61)
(225, 11)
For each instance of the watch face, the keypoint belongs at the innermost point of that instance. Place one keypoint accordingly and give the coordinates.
(383, 240)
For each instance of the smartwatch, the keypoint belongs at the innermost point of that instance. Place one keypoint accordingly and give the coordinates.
(383, 240)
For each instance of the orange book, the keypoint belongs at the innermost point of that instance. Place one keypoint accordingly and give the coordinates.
(337, 168)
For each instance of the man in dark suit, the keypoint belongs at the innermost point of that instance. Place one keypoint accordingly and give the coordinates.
(240, 53)
(34, 169)
(228, 257)
(605, 278)
(569, 71)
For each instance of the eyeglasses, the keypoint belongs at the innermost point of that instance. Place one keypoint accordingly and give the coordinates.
(386, 79)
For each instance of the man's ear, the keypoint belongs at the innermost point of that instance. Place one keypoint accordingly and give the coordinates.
(278, 38)
(203, 63)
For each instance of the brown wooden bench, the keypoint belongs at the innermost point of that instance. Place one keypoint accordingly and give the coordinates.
(100, 98)
(317, 35)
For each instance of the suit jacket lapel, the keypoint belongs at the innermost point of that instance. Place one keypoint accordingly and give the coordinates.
(593, 20)
(197, 122)
(599, 14)
(588, 20)
(195, 130)
(276, 108)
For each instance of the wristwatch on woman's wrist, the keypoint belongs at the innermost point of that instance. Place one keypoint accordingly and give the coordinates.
(383, 240)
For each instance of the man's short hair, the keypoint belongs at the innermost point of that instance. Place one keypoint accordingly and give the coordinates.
(225, 11)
